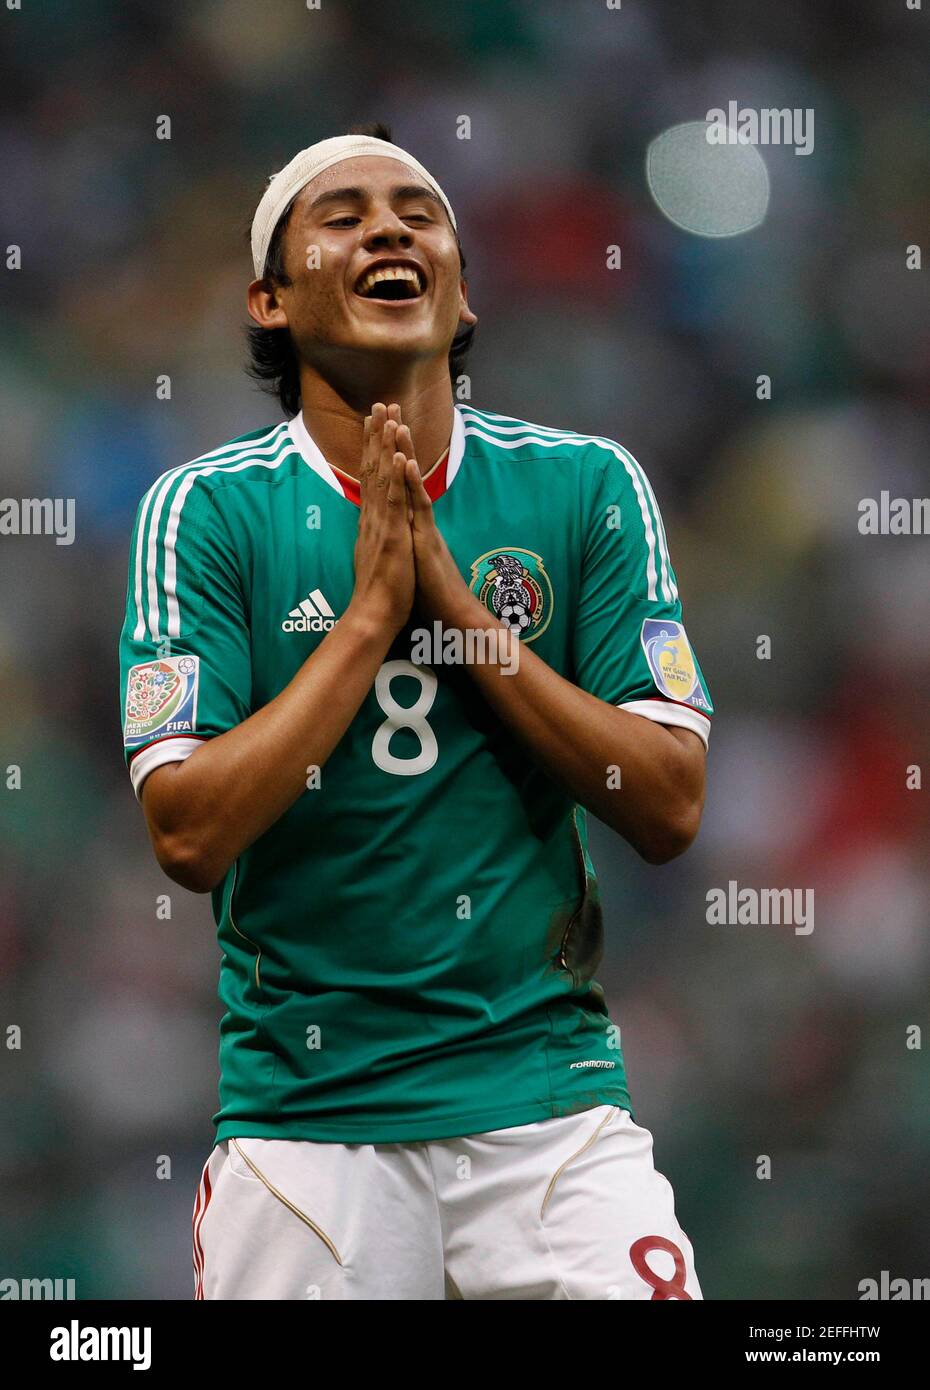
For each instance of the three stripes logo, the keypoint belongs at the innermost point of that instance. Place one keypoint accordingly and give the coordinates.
(312, 614)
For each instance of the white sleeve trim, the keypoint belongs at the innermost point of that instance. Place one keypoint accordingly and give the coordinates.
(667, 712)
(166, 750)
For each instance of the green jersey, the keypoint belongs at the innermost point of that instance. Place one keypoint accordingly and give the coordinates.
(409, 952)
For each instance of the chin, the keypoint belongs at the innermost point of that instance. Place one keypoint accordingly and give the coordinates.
(393, 339)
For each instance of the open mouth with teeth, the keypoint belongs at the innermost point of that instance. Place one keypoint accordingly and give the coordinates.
(391, 282)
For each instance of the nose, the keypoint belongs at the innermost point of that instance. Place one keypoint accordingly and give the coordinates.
(387, 229)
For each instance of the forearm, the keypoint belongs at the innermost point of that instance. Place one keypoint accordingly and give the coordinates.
(641, 778)
(203, 812)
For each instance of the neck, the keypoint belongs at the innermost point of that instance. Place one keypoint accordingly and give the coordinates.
(335, 415)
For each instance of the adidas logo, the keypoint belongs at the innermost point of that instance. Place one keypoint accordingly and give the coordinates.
(312, 614)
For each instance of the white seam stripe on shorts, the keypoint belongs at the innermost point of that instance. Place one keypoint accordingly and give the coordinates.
(577, 1154)
(290, 1205)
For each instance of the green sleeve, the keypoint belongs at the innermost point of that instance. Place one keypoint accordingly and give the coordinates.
(185, 665)
(630, 644)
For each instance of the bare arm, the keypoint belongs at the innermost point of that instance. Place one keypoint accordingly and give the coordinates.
(203, 812)
(575, 736)
(645, 780)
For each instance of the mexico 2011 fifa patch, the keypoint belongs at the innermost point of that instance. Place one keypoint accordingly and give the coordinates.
(672, 662)
(161, 699)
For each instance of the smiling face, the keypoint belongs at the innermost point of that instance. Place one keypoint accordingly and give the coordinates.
(389, 276)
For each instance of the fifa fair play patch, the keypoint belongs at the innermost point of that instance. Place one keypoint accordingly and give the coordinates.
(672, 662)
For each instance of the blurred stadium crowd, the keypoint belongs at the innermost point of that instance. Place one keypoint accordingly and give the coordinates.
(740, 1041)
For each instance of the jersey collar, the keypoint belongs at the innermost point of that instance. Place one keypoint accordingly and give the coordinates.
(437, 481)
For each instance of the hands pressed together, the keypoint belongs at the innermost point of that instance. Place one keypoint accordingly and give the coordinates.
(400, 554)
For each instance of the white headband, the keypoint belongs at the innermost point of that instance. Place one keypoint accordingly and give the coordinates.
(283, 186)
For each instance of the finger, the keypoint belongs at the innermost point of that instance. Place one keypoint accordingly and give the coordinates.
(395, 492)
(378, 419)
(366, 439)
(405, 441)
(411, 473)
(372, 455)
(386, 457)
(378, 415)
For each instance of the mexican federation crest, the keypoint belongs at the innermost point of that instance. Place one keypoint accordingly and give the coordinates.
(512, 583)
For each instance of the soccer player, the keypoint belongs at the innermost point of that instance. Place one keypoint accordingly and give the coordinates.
(377, 659)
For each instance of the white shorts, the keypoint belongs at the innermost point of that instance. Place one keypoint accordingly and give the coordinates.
(570, 1208)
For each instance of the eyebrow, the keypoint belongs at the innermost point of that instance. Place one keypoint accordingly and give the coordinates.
(358, 195)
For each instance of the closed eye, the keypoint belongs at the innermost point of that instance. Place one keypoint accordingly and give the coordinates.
(350, 219)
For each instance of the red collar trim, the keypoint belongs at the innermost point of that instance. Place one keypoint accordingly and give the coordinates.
(435, 481)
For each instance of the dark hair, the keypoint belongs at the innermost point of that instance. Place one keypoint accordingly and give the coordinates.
(272, 358)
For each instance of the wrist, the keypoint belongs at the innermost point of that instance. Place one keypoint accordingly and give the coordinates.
(463, 610)
(370, 622)
(446, 598)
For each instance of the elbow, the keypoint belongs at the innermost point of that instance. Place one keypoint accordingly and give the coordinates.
(663, 815)
(186, 863)
(670, 837)
(177, 827)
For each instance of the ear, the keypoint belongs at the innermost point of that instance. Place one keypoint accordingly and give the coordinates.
(263, 305)
(466, 315)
